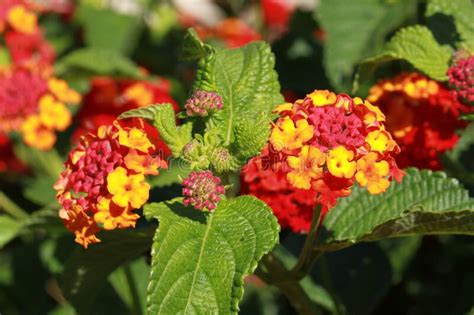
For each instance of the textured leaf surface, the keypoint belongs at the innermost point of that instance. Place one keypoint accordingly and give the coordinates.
(86, 271)
(367, 22)
(424, 203)
(416, 45)
(460, 11)
(97, 61)
(199, 259)
(245, 79)
(9, 228)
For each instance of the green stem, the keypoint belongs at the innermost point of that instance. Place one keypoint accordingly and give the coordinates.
(306, 258)
(274, 272)
(136, 304)
(7, 205)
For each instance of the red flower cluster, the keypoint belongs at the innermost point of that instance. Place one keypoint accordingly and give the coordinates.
(292, 206)
(23, 37)
(109, 97)
(322, 144)
(232, 31)
(422, 115)
(8, 161)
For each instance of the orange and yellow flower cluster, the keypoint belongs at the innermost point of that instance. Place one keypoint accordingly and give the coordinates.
(32, 101)
(35, 106)
(422, 115)
(104, 181)
(23, 36)
(326, 142)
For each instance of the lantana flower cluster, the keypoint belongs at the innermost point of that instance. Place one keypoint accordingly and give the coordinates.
(327, 142)
(35, 106)
(104, 181)
(33, 102)
(422, 116)
(23, 37)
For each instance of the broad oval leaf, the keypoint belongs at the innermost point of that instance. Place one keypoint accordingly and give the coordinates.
(199, 259)
(367, 22)
(425, 202)
(416, 45)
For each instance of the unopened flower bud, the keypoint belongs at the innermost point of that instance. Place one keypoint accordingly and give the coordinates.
(203, 103)
(461, 78)
(202, 190)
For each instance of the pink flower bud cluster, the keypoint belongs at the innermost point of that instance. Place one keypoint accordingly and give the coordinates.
(202, 103)
(461, 78)
(202, 190)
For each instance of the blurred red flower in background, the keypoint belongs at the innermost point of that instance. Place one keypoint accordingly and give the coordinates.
(277, 13)
(422, 116)
(109, 97)
(8, 161)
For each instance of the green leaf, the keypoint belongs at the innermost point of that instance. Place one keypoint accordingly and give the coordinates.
(9, 229)
(86, 271)
(442, 13)
(193, 47)
(251, 136)
(423, 203)
(367, 22)
(44, 163)
(199, 259)
(99, 24)
(247, 82)
(40, 190)
(96, 61)
(416, 45)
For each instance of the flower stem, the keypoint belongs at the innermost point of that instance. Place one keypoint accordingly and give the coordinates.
(7, 205)
(307, 258)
